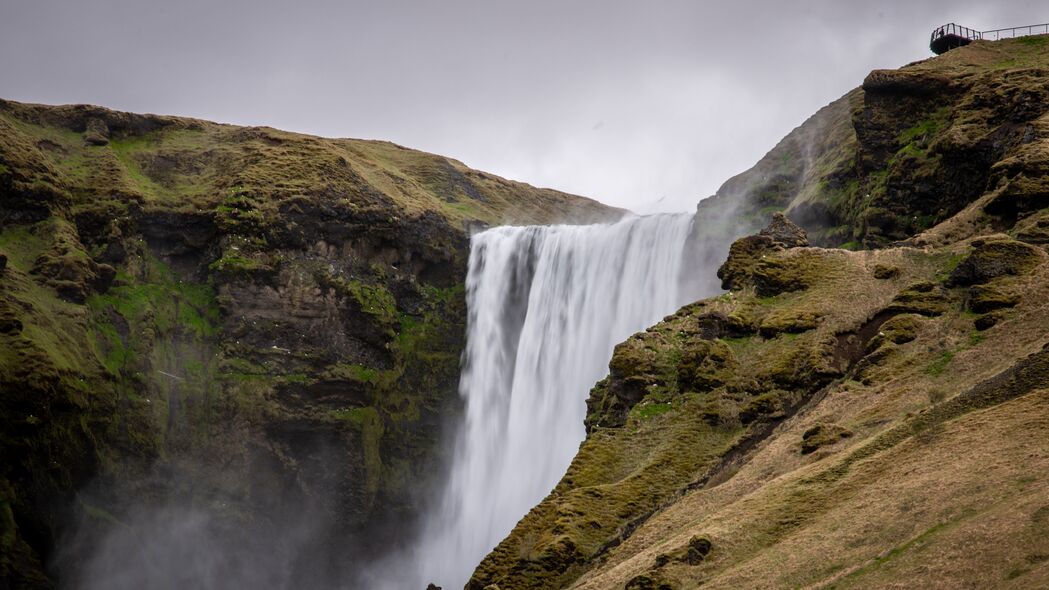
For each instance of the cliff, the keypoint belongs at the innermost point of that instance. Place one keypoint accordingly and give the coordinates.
(866, 406)
(261, 324)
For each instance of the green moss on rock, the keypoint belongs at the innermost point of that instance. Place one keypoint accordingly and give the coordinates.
(822, 435)
(923, 298)
(993, 258)
(704, 366)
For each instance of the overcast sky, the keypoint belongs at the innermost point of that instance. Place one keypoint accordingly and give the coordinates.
(648, 104)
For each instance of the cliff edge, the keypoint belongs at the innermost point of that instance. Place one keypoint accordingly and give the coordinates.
(243, 322)
(866, 405)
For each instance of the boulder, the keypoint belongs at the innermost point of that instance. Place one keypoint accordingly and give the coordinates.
(785, 232)
(745, 253)
(822, 435)
(714, 324)
(96, 132)
(988, 320)
(989, 297)
(923, 298)
(886, 271)
(995, 258)
(705, 366)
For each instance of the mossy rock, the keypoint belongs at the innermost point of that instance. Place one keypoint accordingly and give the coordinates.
(746, 253)
(995, 258)
(633, 359)
(743, 321)
(789, 321)
(988, 320)
(899, 329)
(822, 435)
(991, 296)
(784, 232)
(774, 276)
(743, 256)
(766, 405)
(96, 132)
(716, 324)
(924, 298)
(605, 409)
(886, 271)
(706, 365)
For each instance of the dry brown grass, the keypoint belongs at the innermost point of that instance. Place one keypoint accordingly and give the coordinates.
(962, 503)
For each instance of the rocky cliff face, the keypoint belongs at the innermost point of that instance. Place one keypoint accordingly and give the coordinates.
(907, 150)
(263, 325)
(838, 418)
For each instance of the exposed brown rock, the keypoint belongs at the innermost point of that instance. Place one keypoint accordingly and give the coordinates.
(993, 258)
(745, 253)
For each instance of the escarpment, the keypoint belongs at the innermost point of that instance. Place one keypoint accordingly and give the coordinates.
(866, 404)
(906, 151)
(263, 324)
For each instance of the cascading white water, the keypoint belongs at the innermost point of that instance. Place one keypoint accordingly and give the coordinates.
(547, 304)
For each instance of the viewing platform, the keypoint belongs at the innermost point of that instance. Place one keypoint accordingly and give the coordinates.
(951, 35)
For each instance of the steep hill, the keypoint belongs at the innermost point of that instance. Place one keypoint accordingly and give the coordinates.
(254, 324)
(868, 411)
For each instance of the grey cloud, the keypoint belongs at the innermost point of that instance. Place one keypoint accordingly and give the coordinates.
(628, 102)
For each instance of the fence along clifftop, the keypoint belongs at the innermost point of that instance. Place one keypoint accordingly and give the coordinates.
(951, 35)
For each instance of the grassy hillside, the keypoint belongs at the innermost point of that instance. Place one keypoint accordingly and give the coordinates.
(189, 164)
(839, 418)
(263, 325)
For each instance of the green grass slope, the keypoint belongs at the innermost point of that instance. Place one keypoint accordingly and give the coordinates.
(273, 317)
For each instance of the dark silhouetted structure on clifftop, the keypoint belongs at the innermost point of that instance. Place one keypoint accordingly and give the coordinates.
(951, 36)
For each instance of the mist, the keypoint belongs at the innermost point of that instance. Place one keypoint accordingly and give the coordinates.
(178, 528)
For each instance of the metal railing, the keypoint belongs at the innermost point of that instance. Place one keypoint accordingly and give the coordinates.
(955, 30)
(1014, 32)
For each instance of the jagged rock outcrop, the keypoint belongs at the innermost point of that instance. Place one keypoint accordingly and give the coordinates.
(746, 253)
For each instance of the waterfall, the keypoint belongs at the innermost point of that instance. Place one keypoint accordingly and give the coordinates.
(547, 305)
